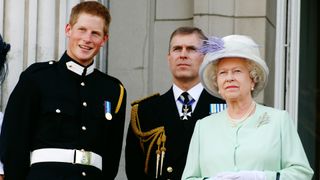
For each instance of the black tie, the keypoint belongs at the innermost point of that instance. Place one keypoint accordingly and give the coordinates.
(187, 102)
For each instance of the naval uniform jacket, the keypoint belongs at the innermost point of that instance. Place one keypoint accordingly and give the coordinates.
(160, 111)
(54, 107)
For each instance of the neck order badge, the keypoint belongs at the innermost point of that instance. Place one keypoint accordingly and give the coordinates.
(187, 102)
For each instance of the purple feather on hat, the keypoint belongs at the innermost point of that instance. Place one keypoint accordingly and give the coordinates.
(213, 44)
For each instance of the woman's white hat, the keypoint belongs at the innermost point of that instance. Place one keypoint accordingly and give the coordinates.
(230, 46)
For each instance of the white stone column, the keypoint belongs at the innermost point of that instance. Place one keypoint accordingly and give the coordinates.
(13, 28)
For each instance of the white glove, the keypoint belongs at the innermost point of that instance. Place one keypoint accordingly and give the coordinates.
(241, 175)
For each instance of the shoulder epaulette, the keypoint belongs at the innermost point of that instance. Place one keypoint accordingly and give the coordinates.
(145, 98)
(39, 66)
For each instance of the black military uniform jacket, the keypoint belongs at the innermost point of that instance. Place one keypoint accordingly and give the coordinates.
(54, 107)
(156, 121)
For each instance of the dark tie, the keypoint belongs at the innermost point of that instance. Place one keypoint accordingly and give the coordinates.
(187, 102)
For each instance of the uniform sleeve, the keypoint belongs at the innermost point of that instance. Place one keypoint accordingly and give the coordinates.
(111, 159)
(192, 168)
(295, 165)
(134, 157)
(20, 111)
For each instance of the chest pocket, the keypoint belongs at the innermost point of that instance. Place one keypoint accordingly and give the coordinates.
(58, 121)
(60, 109)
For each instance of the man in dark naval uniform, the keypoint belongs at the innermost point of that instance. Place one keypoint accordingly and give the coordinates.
(65, 119)
(161, 126)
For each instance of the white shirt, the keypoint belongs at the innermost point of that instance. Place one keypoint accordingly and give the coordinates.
(194, 92)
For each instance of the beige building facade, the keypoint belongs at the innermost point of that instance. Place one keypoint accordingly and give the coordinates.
(139, 33)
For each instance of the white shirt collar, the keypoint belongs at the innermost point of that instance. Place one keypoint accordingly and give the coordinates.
(194, 92)
(78, 69)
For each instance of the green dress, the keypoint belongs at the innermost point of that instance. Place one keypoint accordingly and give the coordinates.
(266, 141)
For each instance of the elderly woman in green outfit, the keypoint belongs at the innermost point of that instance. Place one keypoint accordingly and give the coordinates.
(247, 141)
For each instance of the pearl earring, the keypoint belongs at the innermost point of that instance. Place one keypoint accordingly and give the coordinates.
(252, 88)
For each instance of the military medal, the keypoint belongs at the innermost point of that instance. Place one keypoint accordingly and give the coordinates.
(107, 110)
(186, 106)
(185, 112)
(215, 108)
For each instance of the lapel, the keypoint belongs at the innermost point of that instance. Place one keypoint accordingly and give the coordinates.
(170, 111)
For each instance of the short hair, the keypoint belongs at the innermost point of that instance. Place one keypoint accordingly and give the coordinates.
(93, 8)
(255, 74)
(186, 30)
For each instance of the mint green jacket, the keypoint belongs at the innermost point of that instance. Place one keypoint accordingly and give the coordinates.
(266, 141)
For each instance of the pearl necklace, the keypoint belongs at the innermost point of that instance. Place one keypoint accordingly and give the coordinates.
(235, 122)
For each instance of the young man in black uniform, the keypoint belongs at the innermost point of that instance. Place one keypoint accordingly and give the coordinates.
(65, 119)
(161, 126)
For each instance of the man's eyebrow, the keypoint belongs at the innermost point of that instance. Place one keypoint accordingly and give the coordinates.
(188, 46)
(176, 46)
(192, 47)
